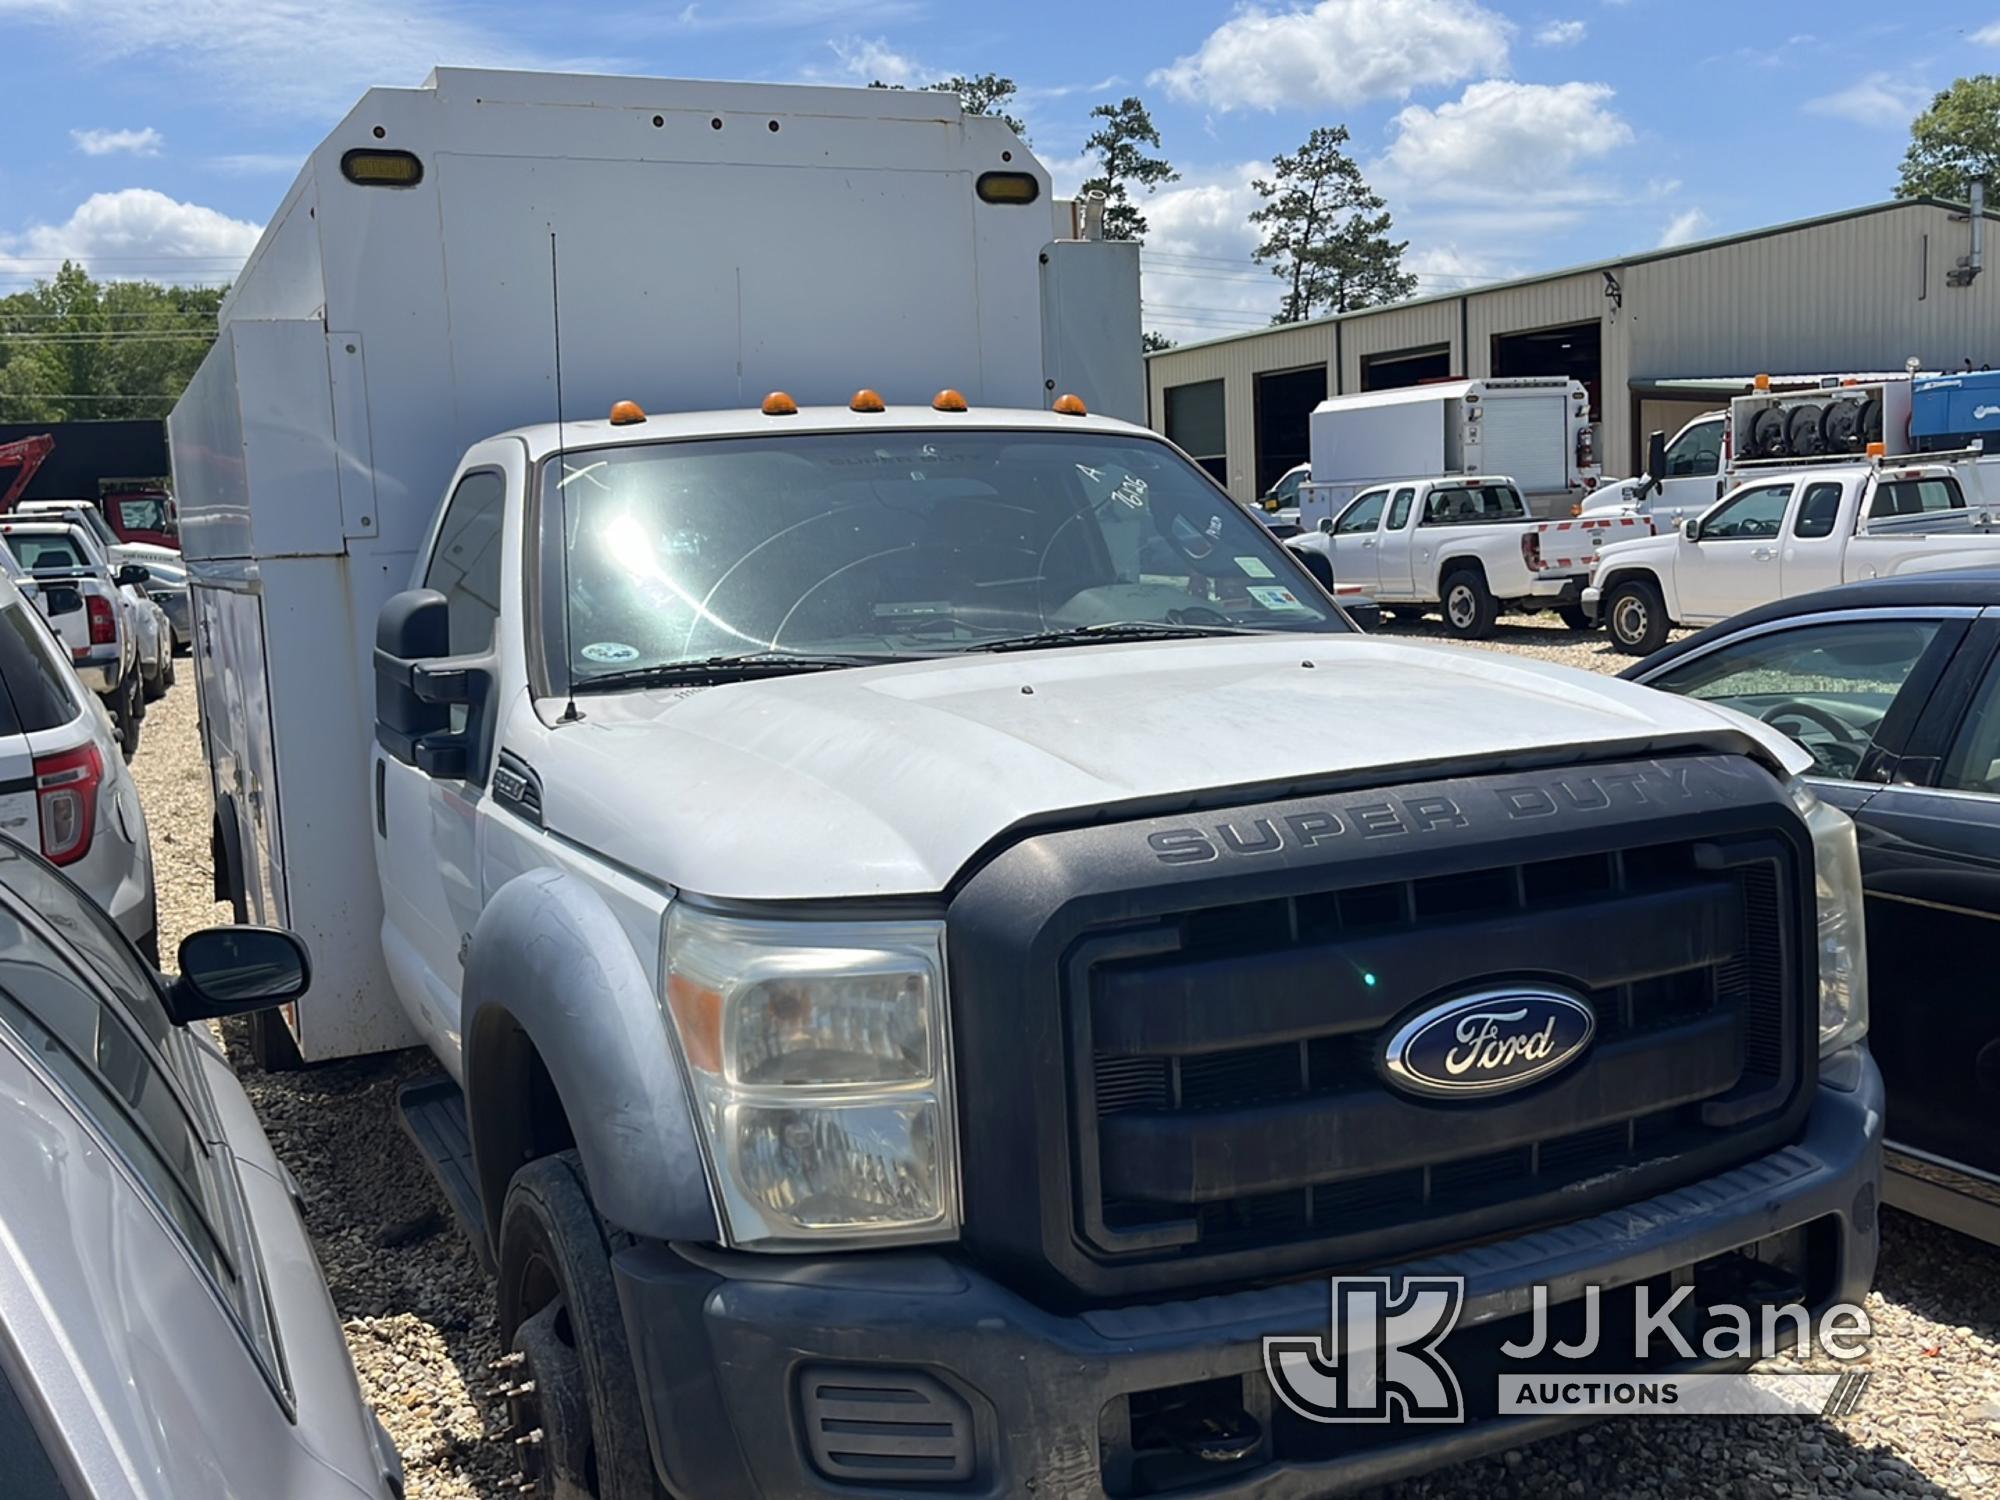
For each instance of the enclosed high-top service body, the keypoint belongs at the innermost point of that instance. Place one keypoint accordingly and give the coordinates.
(713, 241)
(938, 934)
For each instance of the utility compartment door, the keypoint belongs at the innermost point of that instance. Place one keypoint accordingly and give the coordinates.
(1524, 439)
(229, 663)
(1091, 339)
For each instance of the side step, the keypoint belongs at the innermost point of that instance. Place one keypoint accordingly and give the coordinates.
(433, 1114)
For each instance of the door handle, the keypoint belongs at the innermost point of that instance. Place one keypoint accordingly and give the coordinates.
(1369, 542)
(1763, 554)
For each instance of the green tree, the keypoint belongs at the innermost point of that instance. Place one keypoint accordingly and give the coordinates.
(1327, 233)
(985, 94)
(1122, 165)
(1153, 342)
(74, 347)
(1953, 141)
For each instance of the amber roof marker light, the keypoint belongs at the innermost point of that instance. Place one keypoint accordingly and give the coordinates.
(371, 168)
(778, 404)
(867, 400)
(1070, 406)
(948, 400)
(625, 413)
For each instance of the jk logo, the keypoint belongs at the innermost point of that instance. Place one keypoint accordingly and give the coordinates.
(1379, 1360)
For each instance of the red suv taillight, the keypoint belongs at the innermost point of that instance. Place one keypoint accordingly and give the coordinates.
(66, 796)
(103, 625)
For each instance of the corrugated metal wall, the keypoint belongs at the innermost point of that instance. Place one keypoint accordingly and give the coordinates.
(1859, 293)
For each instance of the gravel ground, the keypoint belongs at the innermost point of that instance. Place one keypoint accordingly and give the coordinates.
(419, 1313)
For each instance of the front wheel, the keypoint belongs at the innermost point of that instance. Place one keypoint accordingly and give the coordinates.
(1469, 606)
(578, 1425)
(1637, 617)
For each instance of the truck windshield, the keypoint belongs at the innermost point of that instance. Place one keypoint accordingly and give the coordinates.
(901, 543)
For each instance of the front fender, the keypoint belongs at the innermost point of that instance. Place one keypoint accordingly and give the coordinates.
(551, 974)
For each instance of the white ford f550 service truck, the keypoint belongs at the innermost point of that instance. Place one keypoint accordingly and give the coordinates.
(938, 932)
(1789, 530)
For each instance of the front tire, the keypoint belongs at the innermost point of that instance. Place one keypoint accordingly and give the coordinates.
(569, 1367)
(1469, 606)
(1637, 617)
(128, 708)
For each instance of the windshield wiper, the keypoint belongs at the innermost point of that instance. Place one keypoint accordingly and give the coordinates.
(715, 669)
(1108, 630)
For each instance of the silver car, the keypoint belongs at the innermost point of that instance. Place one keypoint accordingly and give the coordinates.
(164, 1329)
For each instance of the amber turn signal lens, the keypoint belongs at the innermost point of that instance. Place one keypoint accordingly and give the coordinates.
(367, 168)
(1070, 406)
(866, 400)
(625, 413)
(948, 400)
(778, 404)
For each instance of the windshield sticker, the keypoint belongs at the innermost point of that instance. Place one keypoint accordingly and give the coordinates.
(1256, 567)
(609, 651)
(1271, 596)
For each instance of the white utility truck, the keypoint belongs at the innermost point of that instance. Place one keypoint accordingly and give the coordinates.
(1466, 543)
(1789, 530)
(1535, 430)
(938, 932)
(1832, 418)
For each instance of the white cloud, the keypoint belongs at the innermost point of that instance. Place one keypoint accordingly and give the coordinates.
(1879, 99)
(1560, 34)
(1988, 36)
(145, 142)
(1197, 279)
(1501, 139)
(289, 57)
(135, 234)
(1690, 224)
(873, 60)
(1338, 52)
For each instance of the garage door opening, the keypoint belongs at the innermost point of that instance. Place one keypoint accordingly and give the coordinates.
(1575, 351)
(1195, 420)
(1284, 405)
(1401, 367)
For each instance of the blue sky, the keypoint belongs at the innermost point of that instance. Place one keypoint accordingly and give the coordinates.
(1508, 135)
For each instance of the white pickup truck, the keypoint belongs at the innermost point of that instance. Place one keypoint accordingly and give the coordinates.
(1788, 531)
(1468, 543)
(106, 636)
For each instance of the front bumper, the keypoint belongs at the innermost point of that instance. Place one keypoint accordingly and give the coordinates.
(1592, 600)
(725, 1344)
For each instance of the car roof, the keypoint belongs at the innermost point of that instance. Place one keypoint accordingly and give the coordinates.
(1961, 588)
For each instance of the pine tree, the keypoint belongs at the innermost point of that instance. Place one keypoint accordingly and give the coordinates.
(1326, 232)
(1123, 165)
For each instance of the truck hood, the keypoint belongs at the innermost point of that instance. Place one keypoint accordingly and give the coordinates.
(1659, 550)
(887, 780)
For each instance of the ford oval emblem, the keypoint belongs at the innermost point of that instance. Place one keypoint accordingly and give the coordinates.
(1489, 1043)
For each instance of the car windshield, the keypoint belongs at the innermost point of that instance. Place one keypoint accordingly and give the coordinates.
(902, 543)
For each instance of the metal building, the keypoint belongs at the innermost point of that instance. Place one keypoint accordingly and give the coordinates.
(1657, 337)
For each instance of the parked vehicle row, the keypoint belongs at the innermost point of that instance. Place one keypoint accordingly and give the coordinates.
(1467, 543)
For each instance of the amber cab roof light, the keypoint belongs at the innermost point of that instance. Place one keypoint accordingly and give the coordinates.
(866, 400)
(778, 404)
(948, 400)
(625, 413)
(1070, 406)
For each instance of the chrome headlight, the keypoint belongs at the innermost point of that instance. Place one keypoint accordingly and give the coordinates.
(1842, 947)
(820, 1063)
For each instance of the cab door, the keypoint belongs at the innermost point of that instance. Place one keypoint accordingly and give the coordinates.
(1815, 538)
(1395, 564)
(426, 827)
(1734, 563)
(1357, 539)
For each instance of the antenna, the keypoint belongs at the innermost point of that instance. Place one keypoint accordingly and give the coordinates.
(570, 715)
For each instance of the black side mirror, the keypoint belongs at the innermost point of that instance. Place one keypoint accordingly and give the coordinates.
(417, 684)
(134, 573)
(1656, 460)
(231, 971)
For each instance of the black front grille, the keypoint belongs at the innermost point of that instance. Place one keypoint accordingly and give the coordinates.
(1678, 946)
(1168, 1030)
